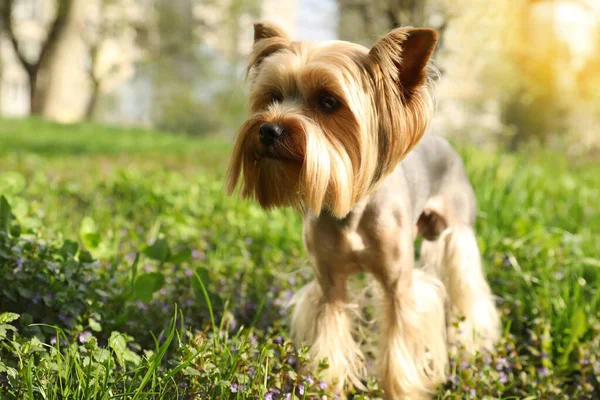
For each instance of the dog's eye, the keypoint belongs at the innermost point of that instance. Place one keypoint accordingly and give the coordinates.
(276, 97)
(328, 102)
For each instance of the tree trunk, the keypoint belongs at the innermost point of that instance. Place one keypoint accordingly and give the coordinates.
(91, 106)
(37, 88)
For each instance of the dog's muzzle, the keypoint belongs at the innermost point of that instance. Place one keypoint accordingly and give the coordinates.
(269, 133)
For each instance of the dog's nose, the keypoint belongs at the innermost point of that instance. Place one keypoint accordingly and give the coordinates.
(270, 132)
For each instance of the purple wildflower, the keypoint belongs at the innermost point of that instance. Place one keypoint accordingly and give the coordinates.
(309, 380)
(278, 340)
(272, 394)
(234, 388)
(140, 305)
(464, 365)
(148, 268)
(292, 281)
(85, 336)
(189, 272)
(292, 360)
(454, 379)
(301, 389)
(36, 298)
(543, 372)
(502, 377)
(323, 385)
(19, 266)
(53, 340)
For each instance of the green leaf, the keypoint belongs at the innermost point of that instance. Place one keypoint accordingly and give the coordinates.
(118, 343)
(7, 317)
(578, 324)
(181, 257)
(85, 256)
(69, 248)
(4, 328)
(158, 251)
(5, 214)
(89, 233)
(94, 325)
(147, 284)
(11, 183)
(189, 371)
(204, 277)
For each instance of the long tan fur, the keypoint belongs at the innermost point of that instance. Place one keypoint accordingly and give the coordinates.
(347, 167)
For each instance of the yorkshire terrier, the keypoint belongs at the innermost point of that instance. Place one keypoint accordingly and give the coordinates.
(337, 131)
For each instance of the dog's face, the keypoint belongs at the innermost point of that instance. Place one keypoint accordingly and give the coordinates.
(329, 119)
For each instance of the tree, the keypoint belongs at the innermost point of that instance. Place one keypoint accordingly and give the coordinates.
(38, 79)
(110, 25)
(364, 20)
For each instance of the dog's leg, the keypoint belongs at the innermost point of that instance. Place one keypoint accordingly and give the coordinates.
(413, 355)
(321, 319)
(474, 322)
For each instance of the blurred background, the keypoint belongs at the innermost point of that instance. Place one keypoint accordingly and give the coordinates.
(513, 72)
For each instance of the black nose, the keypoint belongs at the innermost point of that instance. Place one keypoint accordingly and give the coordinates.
(270, 132)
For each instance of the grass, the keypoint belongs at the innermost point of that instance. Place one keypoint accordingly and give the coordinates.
(127, 273)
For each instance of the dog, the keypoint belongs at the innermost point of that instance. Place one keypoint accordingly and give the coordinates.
(337, 131)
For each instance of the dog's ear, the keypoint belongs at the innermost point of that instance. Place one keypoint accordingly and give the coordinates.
(267, 30)
(269, 38)
(403, 55)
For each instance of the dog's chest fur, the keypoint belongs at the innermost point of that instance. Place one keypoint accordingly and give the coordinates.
(381, 223)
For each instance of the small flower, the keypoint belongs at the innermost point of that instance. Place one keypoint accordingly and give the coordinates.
(140, 305)
(502, 378)
(309, 380)
(292, 281)
(272, 394)
(487, 359)
(36, 298)
(65, 318)
(473, 393)
(278, 340)
(301, 389)
(543, 372)
(464, 365)
(323, 385)
(85, 336)
(454, 379)
(189, 272)
(292, 360)
(148, 268)
(234, 388)
(53, 340)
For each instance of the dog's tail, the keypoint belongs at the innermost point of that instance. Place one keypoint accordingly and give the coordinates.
(454, 257)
